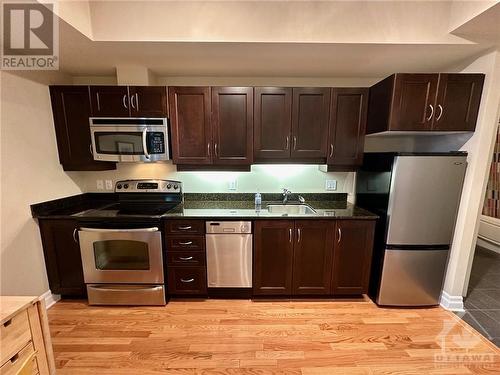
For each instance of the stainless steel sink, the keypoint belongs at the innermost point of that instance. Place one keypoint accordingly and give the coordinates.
(291, 209)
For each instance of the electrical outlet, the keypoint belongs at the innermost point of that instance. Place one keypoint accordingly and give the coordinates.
(109, 184)
(331, 185)
(100, 184)
(231, 185)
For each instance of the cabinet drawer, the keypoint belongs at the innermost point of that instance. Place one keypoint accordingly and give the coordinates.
(185, 226)
(15, 334)
(14, 364)
(178, 243)
(187, 280)
(186, 258)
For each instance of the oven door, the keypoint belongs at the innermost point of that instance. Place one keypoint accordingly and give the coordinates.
(122, 140)
(131, 256)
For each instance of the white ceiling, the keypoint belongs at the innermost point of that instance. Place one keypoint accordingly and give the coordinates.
(294, 39)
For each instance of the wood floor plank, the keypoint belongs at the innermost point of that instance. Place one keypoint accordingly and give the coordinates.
(279, 337)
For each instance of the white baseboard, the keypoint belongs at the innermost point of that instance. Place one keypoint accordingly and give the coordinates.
(50, 299)
(484, 243)
(452, 303)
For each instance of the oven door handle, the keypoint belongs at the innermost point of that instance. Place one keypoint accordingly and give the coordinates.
(153, 229)
(145, 143)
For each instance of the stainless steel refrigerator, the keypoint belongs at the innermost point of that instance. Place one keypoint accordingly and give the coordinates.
(416, 196)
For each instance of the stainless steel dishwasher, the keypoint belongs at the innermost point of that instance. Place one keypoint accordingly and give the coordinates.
(229, 254)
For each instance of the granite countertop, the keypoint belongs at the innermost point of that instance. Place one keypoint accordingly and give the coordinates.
(206, 206)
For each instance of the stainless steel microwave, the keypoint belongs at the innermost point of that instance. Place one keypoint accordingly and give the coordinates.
(130, 139)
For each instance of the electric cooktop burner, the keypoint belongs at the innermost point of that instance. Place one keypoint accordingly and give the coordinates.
(141, 198)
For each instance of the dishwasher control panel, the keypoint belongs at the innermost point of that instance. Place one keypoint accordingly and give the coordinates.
(229, 227)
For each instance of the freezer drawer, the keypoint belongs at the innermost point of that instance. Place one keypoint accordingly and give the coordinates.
(412, 277)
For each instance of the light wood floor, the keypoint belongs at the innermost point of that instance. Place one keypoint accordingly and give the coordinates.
(280, 337)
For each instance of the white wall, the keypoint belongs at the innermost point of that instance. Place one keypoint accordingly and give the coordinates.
(30, 173)
(480, 148)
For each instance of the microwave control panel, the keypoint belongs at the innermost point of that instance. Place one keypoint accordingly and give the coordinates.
(156, 144)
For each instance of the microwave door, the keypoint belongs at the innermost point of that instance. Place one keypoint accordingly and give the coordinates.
(121, 145)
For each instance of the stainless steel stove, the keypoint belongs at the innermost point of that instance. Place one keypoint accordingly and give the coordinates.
(123, 259)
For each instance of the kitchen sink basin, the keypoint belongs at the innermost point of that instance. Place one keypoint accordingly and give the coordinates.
(291, 209)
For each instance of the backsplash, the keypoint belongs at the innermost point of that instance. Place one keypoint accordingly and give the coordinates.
(269, 178)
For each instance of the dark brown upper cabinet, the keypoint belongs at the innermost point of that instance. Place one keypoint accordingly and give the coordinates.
(458, 100)
(128, 101)
(211, 126)
(62, 257)
(190, 112)
(71, 111)
(273, 257)
(420, 102)
(313, 257)
(148, 101)
(232, 125)
(110, 101)
(352, 256)
(347, 127)
(272, 124)
(310, 110)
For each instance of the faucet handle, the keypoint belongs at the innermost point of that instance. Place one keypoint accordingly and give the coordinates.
(302, 199)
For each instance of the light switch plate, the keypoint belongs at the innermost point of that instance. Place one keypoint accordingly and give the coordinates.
(331, 185)
(231, 185)
(109, 184)
(100, 184)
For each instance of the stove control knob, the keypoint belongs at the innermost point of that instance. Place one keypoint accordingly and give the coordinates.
(125, 186)
(119, 186)
(176, 187)
(169, 186)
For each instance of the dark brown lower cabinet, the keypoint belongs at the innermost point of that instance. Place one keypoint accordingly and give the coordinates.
(62, 257)
(273, 257)
(352, 256)
(312, 256)
(187, 281)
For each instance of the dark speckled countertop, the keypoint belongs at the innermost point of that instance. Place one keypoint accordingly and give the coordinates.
(211, 206)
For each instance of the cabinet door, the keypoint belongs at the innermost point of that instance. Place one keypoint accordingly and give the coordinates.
(273, 256)
(413, 102)
(71, 111)
(112, 101)
(313, 256)
(347, 126)
(273, 121)
(352, 256)
(310, 111)
(148, 101)
(232, 125)
(458, 99)
(190, 125)
(62, 257)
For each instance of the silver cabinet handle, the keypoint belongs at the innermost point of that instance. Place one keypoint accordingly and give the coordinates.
(331, 149)
(132, 101)
(185, 258)
(187, 227)
(432, 112)
(137, 101)
(215, 149)
(100, 230)
(208, 146)
(440, 112)
(124, 101)
(287, 142)
(340, 235)
(75, 231)
(186, 243)
(91, 149)
(145, 143)
(294, 142)
(290, 235)
(187, 280)
(98, 102)
(299, 232)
